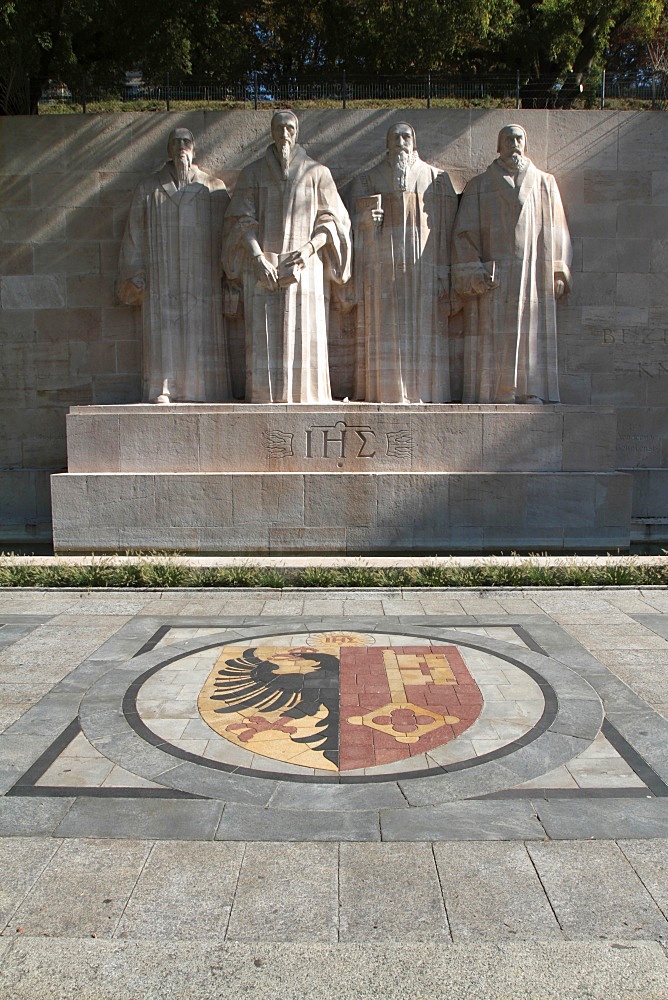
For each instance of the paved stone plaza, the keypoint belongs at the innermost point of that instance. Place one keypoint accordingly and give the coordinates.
(372, 793)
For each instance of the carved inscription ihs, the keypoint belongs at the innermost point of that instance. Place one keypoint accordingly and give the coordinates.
(339, 441)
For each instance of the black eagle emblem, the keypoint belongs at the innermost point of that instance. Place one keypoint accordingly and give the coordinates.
(249, 682)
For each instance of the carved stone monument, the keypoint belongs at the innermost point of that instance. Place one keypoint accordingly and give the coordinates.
(287, 238)
(511, 262)
(290, 470)
(169, 264)
(352, 478)
(404, 211)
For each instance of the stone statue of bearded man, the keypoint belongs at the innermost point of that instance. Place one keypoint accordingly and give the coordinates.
(511, 254)
(170, 265)
(287, 241)
(404, 210)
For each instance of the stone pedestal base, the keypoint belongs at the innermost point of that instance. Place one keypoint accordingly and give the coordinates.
(340, 513)
(340, 479)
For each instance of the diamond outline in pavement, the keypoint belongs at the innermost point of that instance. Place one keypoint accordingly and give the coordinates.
(412, 810)
(652, 782)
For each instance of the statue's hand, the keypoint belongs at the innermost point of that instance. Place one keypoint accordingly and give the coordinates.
(559, 288)
(486, 283)
(266, 273)
(370, 218)
(299, 257)
(131, 291)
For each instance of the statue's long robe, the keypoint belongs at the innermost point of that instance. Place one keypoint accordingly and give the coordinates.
(172, 239)
(286, 330)
(402, 285)
(510, 347)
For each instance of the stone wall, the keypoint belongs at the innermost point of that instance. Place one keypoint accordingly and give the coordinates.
(66, 184)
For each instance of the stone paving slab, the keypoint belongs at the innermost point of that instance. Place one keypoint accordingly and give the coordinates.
(286, 892)
(492, 892)
(185, 891)
(140, 888)
(169, 894)
(9, 776)
(469, 820)
(22, 861)
(124, 970)
(32, 816)
(657, 623)
(649, 859)
(604, 818)
(332, 797)
(85, 890)
(151, 818)
(584, 879)
(16, 627)
(241, 822)
(387, 892)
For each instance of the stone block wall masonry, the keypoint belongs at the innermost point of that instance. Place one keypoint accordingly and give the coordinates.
(354, 437)
(280, 513)
(67, 183)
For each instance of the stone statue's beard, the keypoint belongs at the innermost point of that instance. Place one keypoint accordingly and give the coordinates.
(182, 163)
(401, 161)
(285, 152)
(514, 162)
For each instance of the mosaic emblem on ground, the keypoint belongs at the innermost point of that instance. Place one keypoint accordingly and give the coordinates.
(337, 705)
(340, 702)
(207, 709)
(303, 728)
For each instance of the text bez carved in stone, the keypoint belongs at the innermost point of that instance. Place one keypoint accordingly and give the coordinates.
(635, 335)
(340, 440)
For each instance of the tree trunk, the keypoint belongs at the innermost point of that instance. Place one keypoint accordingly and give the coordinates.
(540, 93)
(13, 91)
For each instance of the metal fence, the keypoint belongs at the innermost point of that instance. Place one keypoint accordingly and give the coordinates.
(653, 89)
(260, 90)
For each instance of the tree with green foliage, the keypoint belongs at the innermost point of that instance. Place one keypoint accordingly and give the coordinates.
(555, 45)
(400, 36)
(57, 40)
(69, 40)
(558, 44)
(631, 51)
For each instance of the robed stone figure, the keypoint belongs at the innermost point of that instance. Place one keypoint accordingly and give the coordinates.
(170, 264)
(511, 255)
(404, 213)
(287, 240)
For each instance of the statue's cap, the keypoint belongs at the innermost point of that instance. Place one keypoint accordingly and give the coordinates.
(507, 128)
(285, 113)
(397, 125)
(181, 133)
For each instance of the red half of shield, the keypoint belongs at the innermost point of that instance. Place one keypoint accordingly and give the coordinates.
(399, 701)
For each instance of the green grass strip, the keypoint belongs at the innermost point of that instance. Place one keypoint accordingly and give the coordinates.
(165, 572)
(116, 106)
